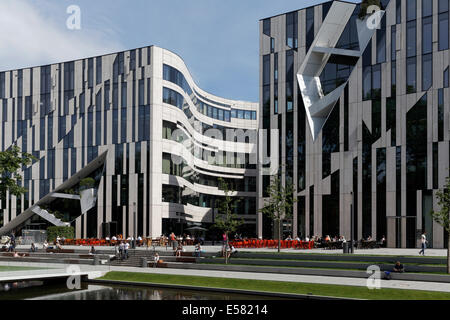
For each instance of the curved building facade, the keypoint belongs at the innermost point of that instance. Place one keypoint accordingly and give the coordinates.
(134, 129)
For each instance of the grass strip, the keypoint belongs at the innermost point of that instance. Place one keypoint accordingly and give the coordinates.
(13, 268)
(279, 286)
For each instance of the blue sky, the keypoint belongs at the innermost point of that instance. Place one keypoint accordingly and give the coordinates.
(218, 40)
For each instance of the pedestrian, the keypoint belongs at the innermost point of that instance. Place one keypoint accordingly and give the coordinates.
(127, 246)
(424, 241)
(121, 250)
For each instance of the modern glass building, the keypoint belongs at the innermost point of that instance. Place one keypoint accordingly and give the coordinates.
(363, 116)
(133, 131)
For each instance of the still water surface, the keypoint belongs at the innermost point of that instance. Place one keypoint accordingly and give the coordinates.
(114, 292)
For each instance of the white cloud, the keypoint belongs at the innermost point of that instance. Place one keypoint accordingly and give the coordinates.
(28, 37)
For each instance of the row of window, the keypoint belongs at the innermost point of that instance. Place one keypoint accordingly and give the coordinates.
(181, 169)
(173, 75)
(183, 195)
(223, 159)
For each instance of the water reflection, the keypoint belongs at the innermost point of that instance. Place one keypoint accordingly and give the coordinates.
(145, 293)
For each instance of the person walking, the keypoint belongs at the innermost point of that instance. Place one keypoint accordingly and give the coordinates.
(127, 246)
(424, 241)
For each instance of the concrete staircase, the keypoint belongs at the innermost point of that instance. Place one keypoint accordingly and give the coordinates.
(135, 258)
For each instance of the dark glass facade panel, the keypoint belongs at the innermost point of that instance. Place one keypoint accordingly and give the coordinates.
(391, 118)
(411, 75)
(301, 144)
(427, 8)
(330, 209)
(309, 27)
(398, 11)
(376, 119)
(291, 30)
(435, 165)
(411, 38)
(289, 80)
(443, 31)
(326, 8)
(266, 27)
(98, 72)
(427, 71)
(441, 114)
(427, 35)
(366, 183)
(411, 10)
(381, 41)
(376, 81)
(355, 198)
(381, 193)
(393, 43)
(266, 69)
(416, 163)
(330, 139)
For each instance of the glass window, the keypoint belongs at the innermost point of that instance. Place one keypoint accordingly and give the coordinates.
(381, 41)
(443, 6)
(98, 70)
(291, 30)
(427, 35)
(376, 81)
(399, 11)
(443, 31)
(309, 27)
(411, 70)
(227, 116)
(427, 71)
(233, 113)
(427, 8)
(266, 27)
(241, 114)
(367, 83)
(221, 114)
(272, 45)
(215, 113)
(411, 39)
(411, 10)
(247, 115)
(394, 43)
(266, 69)
(253, 115)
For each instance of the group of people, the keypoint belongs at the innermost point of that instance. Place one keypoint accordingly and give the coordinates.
(121, 250)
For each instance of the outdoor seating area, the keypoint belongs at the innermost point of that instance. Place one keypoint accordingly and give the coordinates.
(284, 244)
(98, 242)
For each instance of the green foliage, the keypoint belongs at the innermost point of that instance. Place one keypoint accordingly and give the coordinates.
(227, 221)
(365, 4)
(11, 162)
(280, 202)
(442, 216)
(54, 232)
(278, 206)
(87, 183)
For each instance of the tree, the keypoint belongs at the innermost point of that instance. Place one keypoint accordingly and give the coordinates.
(279, 204)
(228, 221)
(11, 162)
(442, 216)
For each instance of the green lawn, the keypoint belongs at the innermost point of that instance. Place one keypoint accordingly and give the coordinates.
(280, 287)
(13, 268)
